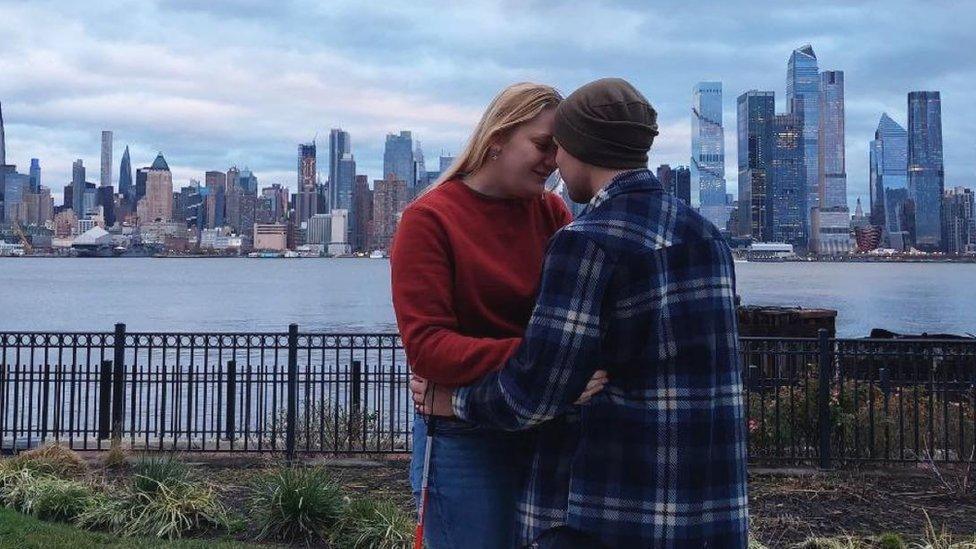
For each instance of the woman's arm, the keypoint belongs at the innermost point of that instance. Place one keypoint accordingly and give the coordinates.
(422, 275)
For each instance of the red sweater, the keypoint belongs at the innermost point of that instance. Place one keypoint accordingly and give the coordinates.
(465, 271)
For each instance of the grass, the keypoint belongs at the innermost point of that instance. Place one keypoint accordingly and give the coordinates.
(369, 524)
(51, 459)
(19, 531)
(300, 503)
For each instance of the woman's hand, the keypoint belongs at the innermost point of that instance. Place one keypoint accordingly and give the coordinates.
(430, 399)
(593, 386)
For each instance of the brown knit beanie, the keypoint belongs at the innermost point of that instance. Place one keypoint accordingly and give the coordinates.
(607, 123)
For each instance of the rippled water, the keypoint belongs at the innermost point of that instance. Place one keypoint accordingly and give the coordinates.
(354, 294)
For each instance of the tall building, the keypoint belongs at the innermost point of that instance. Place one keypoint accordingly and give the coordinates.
(445, 163)
(787, 174)
(926, 175)
(78, 188)
(3, 143)
(755, 111)
(831, 222)
(106, 167)
(419, 170)
(248, 182)
(803, 100)
(125, 177)
(682, 183)
(306, 193)
(398, 159)
(341, 187)
(35, 175)
(666, 176)
(157, 205)
(390, 197)
(216, 185)
(708, 153)
(959, 221)
(361, 217)
(339, 146)
(888, 177)
(832, 175)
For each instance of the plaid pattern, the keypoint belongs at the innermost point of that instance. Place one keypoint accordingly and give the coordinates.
(642, 286)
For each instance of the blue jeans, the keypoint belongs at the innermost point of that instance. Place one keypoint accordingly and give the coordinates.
(475, 481)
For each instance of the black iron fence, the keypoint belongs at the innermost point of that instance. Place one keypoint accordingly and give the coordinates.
(822, 400)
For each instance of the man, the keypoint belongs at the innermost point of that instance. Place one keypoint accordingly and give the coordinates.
(642, 286)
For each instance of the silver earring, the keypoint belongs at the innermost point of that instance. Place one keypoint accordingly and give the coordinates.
(494, 155)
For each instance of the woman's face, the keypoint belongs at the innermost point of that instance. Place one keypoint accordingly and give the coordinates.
(527, 158)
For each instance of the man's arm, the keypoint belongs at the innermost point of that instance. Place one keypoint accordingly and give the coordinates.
(561, 348)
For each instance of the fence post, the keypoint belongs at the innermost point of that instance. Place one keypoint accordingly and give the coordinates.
(104, 400)
(823, 397)
(231, 398)
(118, 382)
(292, 392)
(355, 417)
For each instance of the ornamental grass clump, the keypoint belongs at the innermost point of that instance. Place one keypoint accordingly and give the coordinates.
(51, 459)
(43, 496)
(152, 472)
(296, 504)
(172, 510)
(368, 524)
(162, 500)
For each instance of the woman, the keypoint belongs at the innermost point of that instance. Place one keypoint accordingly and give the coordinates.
(466, 261)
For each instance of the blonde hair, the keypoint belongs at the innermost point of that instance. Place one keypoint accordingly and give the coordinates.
(513, 106)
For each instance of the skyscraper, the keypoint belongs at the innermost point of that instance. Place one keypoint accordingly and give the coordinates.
(398, 159)
(216, 185)
(755, 111)
(78, 188)
(3, 159)
(888, 169)
(831, 221)
(803, 100)
(306, 194)
(125, 176)
(682, 183)
(3, 143)
(959, 221)
(361, 214)
(787, 180)
(339, 145)
(157, 205)
(390, 197)
(832, 174)
(345, 181)
(35, 175)
(926, 175)
(419, 169)
(106, 173)
(708, 153)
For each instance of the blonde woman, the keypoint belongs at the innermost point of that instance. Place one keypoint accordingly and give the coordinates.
(466, 262)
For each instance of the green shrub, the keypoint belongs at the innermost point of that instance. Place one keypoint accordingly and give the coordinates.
(46, 497)
(51, 459)
(368, 524)
(296, 504)
(175, 509)
(890, 541)
(151, 472)
(104, 512)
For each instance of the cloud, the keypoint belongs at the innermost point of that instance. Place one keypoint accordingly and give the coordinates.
(242, 82)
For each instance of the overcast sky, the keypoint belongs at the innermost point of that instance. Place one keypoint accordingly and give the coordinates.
(242, 83)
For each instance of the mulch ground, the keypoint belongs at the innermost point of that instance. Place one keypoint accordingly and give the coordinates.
(786, 505)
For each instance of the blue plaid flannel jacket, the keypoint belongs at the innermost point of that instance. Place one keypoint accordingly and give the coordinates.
(642, 286)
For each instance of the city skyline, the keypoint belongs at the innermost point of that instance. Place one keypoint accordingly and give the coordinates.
(388, 68)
